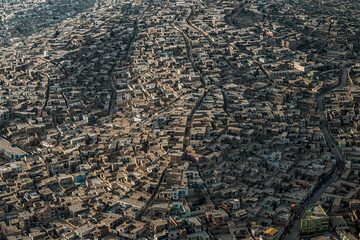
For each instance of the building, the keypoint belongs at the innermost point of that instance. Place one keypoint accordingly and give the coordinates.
(4, 115)
(315, 220)
(11, 151)
(271, 234)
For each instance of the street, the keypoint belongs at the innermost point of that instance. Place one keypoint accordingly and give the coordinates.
(338, 168)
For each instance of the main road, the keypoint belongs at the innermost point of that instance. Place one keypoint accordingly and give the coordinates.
(204, 90)
(294, 230)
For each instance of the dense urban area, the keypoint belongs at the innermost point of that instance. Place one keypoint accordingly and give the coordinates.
(180, 119)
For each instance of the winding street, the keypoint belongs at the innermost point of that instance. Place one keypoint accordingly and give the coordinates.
(205, 34)
(189, 119)
(142, 212)
(324, 126)
(214, 45)
(294, 230)
(190, 55)
(135, 31)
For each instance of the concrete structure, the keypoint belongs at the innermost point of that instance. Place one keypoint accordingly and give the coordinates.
(314, 221)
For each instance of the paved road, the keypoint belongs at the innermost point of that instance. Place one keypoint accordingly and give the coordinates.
(190, 118)
(143, 211)
(204, 89)
(339, 166)
(215, 45)
(190, 55)
(295, 229)
(113, 96)
(205, 34)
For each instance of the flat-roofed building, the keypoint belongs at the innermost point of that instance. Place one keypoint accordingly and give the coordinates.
(10, 150)
(315, 220)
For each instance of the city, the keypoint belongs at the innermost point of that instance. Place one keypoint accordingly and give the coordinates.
(180, 119)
